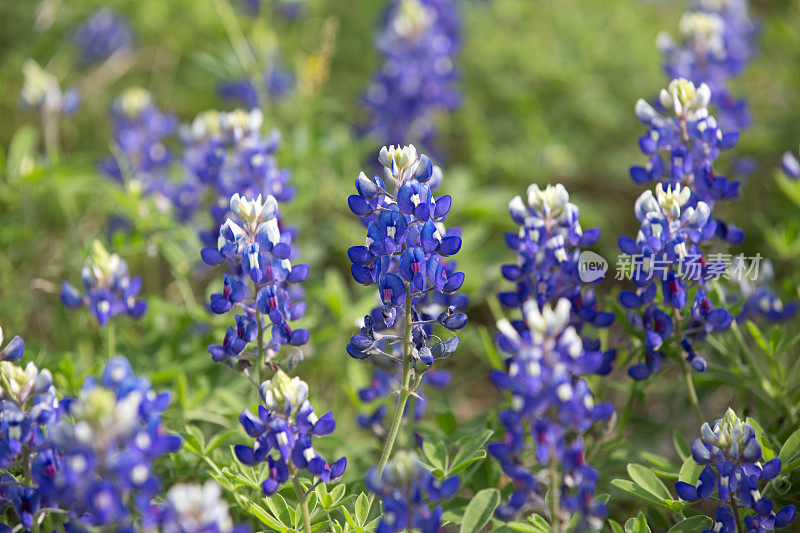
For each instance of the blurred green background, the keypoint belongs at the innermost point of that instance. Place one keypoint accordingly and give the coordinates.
(549, 89)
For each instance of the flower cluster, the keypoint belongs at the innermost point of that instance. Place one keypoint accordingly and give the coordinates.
(548, 352)
(732, 455)
(548, 247)
(715, 44)
(675, 221)
(418, 43)
(550, 397)
(141, 157)
(197, 509)
(105, 450)
(257, 250)
(109, 288)
(102, 35)
(27, 405)
(42, 91)
(284, 429)
(226, 154)
(406, 255)
(408, 490)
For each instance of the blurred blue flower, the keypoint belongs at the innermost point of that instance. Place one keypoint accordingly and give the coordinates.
(716, 41)
(418, 44)
(408, 491)
(102, 35)
(109, 289)
(140, 156)
(552, 405)
(106, 451)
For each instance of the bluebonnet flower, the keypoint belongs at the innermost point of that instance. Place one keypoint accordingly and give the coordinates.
(682, 142)
(142, 158)
(790, 165)
(716, 42)
(277, 82)
(196, 509)
(106, 448)
(675, 222)
(284, 430)
(549, 353)
(27, 406)
(109, 289)
(418, 43)
(226, 154)
(731, 456)
(258, 253)
(41, 91)
(408, 255)
(102, 35)
(553, 405)
(548, 247)
(408, 492)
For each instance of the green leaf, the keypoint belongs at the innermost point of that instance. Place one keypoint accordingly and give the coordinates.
(266, 518)
(692, 525)
(632, 488)
(615, 527)
(362, 508)
(646, 478)
(637, 525)
(681, 446)
(463, 465)
(520, 527)
(690, 471)
(790, 448)
(539, 522)
(435, 451)
(447, 422)
(479, 510)
(20, 150)
(758, 337)
(218, 440)
(337, 493)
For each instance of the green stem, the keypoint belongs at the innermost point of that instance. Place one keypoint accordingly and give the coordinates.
(687, 376)
(111, 339)
(303, 497)
(405, 392)
(555, 489)
(687, 371)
